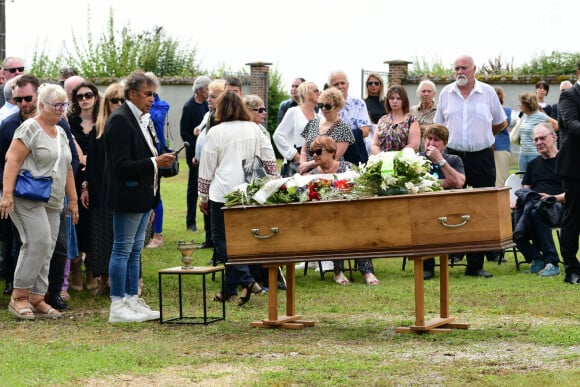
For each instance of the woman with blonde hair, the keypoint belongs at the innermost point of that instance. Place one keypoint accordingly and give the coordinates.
(330, 102)
(287, 135)
(41, 148)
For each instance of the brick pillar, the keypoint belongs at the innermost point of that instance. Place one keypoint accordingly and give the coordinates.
(397, 71)
(259, 79)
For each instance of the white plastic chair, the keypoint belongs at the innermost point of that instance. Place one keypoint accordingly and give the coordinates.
(514, 181)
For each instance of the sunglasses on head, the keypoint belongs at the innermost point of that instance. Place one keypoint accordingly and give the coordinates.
(373, 83)
(325, 106)
(87, 95)
(15, 69)
(260, 110)
(317, 152)
(28, 98)
(116, 101)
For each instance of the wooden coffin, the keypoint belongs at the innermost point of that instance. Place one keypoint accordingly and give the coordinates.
(465, 220)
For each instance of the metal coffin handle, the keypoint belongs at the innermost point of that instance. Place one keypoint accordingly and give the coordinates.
(464, 220)
(256, 233)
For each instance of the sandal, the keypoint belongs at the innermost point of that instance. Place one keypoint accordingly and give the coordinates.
(24, 313)
(220, 298)
(370, 279)
(341, 279)
(44, 311)
(252, 288)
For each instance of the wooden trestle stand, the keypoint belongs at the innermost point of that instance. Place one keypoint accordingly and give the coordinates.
(291, 320)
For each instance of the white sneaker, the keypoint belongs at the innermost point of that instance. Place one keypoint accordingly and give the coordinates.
(138, 304)
(326, 266)
(121, 312)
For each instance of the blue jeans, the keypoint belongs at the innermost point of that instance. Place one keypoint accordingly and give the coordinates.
(129, 236)
(539, 244)
(235, 274)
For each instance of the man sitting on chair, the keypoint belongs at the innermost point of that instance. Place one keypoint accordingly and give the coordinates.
(447, 168)
(537, 245)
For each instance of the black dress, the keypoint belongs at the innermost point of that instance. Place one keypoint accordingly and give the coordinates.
(82, 139)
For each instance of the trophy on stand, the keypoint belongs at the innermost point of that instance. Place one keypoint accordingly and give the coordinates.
(186, 248)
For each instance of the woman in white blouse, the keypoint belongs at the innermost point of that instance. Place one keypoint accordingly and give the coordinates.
(287, 135)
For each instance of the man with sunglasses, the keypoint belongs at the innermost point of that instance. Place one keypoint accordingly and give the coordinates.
(25, 93)
(12, 67)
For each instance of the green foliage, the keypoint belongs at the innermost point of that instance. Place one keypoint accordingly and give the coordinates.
(116, 53)
(421, 67)
(276, 95)
(556, 63)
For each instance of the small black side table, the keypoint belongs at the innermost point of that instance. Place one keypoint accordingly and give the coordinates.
(196, 270)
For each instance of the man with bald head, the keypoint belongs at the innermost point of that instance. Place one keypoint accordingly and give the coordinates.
(356, 115)
(471, 110)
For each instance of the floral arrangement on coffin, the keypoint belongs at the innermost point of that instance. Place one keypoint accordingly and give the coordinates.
(396, 173)
(292, 189)
(387, 173)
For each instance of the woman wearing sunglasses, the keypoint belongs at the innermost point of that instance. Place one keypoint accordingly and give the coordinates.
(375, 101)
(330, 124)
(101, 217)
(258, 111)
(82, 118)
(323, 152)
(397, 129)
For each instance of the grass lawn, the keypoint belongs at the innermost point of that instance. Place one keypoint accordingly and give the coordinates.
(525, 331)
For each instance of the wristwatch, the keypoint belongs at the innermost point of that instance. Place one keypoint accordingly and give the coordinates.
(84, 184)
(442, 162)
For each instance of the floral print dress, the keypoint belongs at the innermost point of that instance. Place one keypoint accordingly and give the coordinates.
(393, 136)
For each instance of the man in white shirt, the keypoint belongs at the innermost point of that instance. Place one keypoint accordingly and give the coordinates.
(473, 114)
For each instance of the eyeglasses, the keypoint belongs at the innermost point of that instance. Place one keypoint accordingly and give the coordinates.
(116, 101)
(15, 69)
(60, 105)
(373, 83)
(540, 138)
(457, 68)
(87, 95)
(28, 98)
(317, 152)
(325, 106)
(260, 110)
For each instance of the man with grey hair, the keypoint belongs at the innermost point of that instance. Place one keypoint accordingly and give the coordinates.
(193, 111)
(9, 106)
(426, 108)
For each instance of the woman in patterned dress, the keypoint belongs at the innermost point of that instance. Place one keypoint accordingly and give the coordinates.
(330, 124)
(397, 129)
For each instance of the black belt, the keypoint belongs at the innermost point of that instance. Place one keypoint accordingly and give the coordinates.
(465, 154)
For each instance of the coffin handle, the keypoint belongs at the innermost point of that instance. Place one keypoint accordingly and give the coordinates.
(464, 220)
(256, 233)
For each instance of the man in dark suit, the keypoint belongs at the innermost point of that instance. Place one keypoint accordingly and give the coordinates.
(567, 168)
(193, 111)
(131, 190)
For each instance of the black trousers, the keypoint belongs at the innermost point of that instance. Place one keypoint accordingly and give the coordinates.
(479, 172)
(190, 219)
(59, 257)
(570, 230)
